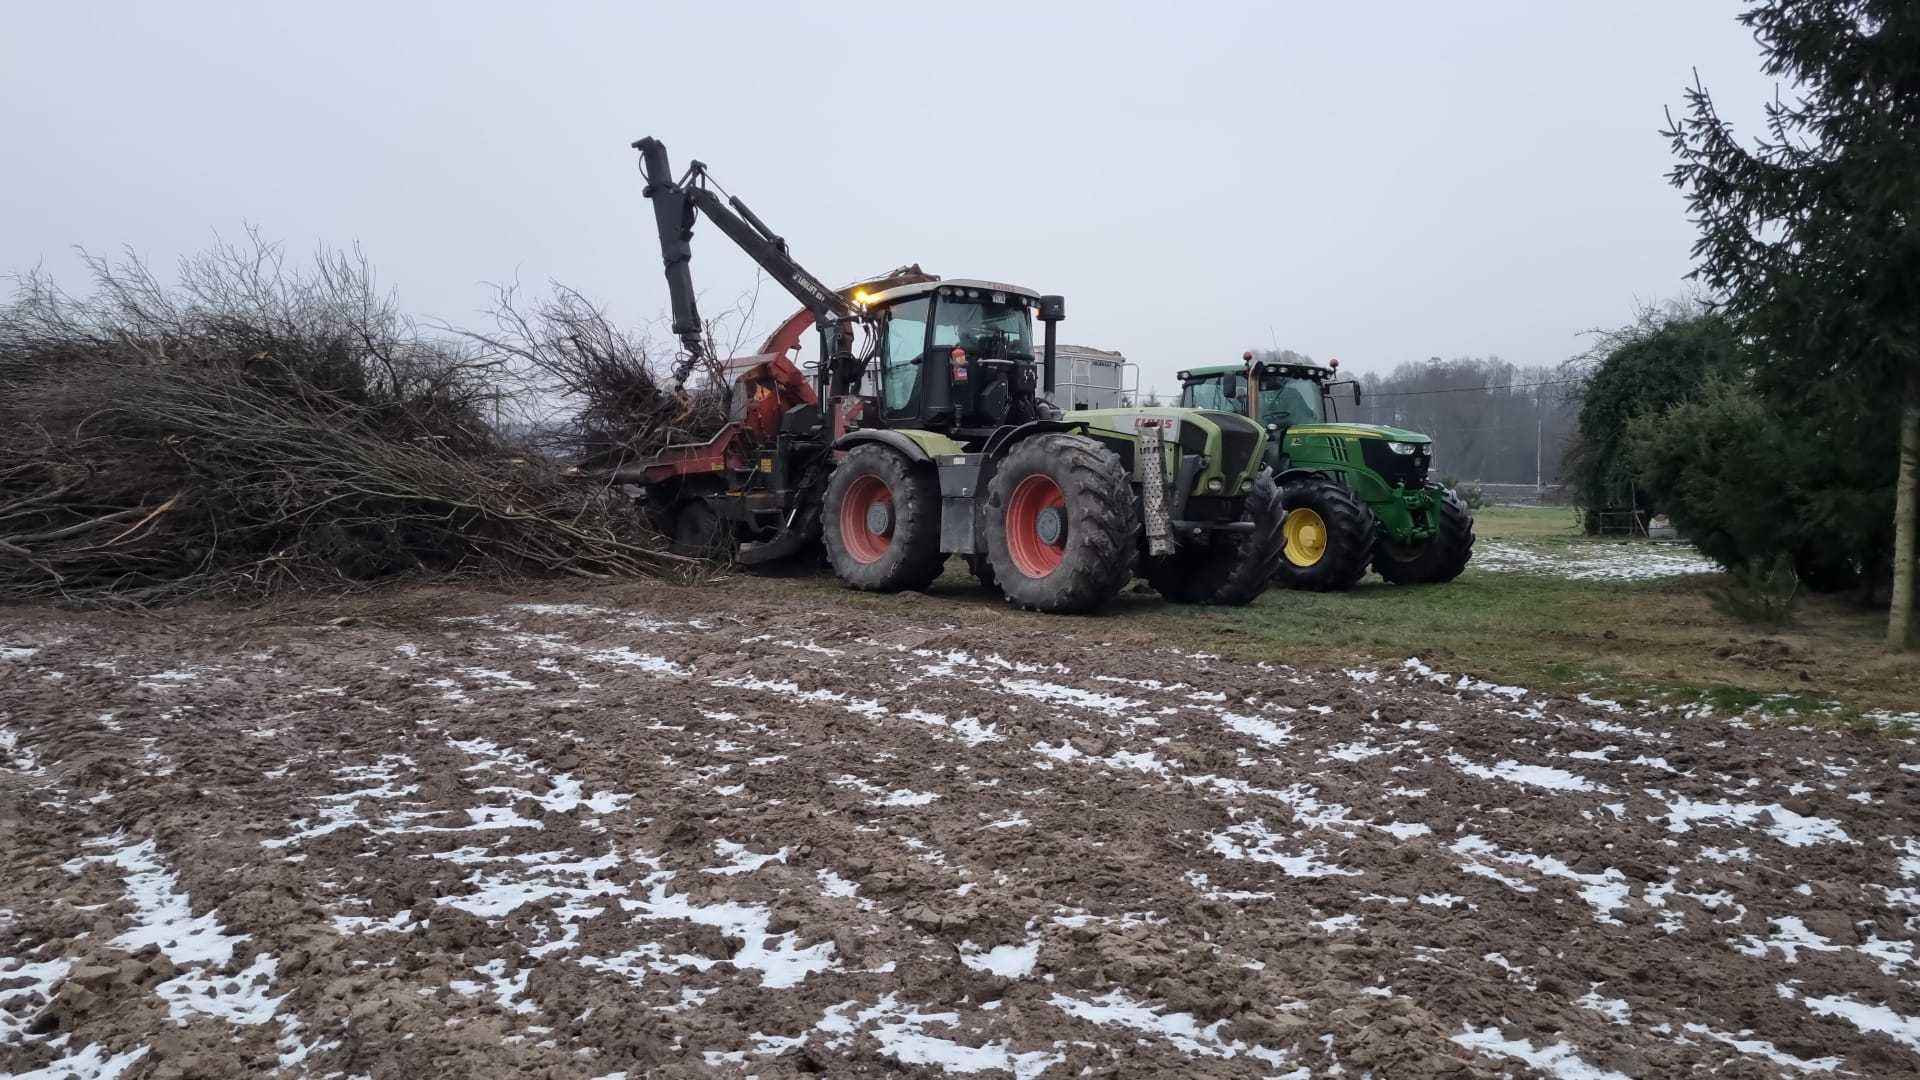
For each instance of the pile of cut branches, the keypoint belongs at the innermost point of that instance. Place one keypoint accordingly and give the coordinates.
(259, 428)
(609, 402)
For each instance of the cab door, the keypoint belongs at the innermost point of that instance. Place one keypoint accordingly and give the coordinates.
(906, 351)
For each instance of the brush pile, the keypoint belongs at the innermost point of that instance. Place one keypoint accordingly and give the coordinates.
(614, 405)
(259, 428)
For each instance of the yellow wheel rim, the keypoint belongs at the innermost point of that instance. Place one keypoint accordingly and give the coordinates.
(1306, 534)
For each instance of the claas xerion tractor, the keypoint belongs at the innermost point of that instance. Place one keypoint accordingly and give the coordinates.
(1356, 494)
(923, 431)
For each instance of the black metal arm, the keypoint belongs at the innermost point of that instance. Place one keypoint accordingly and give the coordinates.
(677, 204)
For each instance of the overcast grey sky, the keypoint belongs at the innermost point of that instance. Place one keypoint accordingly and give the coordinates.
(1379, 182)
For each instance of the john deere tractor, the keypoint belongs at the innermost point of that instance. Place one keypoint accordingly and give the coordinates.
(1356, 494)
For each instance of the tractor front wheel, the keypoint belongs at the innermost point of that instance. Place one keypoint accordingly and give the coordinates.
(1328, 537)
(1438, 559)
(880, 519)
(1230, 568)
(1061, 527)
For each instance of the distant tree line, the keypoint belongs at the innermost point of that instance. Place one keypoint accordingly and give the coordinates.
(1490, 419)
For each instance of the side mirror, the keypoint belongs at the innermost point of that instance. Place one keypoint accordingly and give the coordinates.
(1356, 395)
(1053, 308)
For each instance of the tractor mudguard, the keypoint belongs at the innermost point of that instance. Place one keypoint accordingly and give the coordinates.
(1000, 441)
(914, 444)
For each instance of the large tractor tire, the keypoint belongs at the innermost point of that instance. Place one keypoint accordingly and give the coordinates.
(1432, 561)
(1328, 537)
(880, 519)
(1061, 527)
(1231, 568)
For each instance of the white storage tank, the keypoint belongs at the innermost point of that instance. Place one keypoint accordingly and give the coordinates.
(1089, 378)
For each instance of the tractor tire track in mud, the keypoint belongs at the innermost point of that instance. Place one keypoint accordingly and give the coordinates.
(693, 832)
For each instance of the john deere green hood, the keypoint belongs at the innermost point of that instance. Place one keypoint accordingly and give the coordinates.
(1360, 431)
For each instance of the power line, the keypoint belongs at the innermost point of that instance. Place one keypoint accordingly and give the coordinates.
(1468, 389)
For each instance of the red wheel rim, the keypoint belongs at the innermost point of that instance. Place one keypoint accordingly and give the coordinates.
(861, 542)
(1034, 556)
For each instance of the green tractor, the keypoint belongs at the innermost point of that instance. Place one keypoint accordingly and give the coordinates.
(1356, 494)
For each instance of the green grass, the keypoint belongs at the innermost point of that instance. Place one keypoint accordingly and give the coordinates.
(1657, 640)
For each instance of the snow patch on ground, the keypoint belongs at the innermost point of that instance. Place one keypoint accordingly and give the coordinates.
(1626, 561)
(1557, 1059)
(1791, 829)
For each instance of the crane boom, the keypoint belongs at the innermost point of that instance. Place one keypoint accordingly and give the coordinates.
(677, 204)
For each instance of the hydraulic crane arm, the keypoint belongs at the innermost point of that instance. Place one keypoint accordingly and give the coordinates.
(677, 204)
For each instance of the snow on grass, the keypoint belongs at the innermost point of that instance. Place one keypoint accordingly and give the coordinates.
(1182, 1030)
(1791, 829)
(1251, 841)
(1006, 961)
(1540, 776)
(1558, 1060)
(1625, 561)
(1873, 1019)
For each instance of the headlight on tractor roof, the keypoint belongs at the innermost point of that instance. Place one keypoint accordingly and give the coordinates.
(1404, 447)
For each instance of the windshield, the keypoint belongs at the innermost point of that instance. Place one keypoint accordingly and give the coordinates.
(1286, 401)
(1211, 393)
(983, 328)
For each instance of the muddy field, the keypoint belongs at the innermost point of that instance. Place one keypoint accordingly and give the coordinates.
(675, 832)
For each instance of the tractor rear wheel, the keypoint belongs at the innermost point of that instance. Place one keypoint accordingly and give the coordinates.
(1328, 537)
(880, 519)
(1438, 559)
(1061, 526)
(1230, 568)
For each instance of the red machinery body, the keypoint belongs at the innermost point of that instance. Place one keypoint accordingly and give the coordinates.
(768, 386)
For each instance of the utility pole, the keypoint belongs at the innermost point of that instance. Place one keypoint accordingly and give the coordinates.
(1539, 425)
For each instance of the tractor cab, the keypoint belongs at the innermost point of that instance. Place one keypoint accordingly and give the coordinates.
(1296, 404)
(1289, 394)
(956, 355)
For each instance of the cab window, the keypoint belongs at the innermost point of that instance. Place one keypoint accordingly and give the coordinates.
(906, 341)
(1220, 392)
